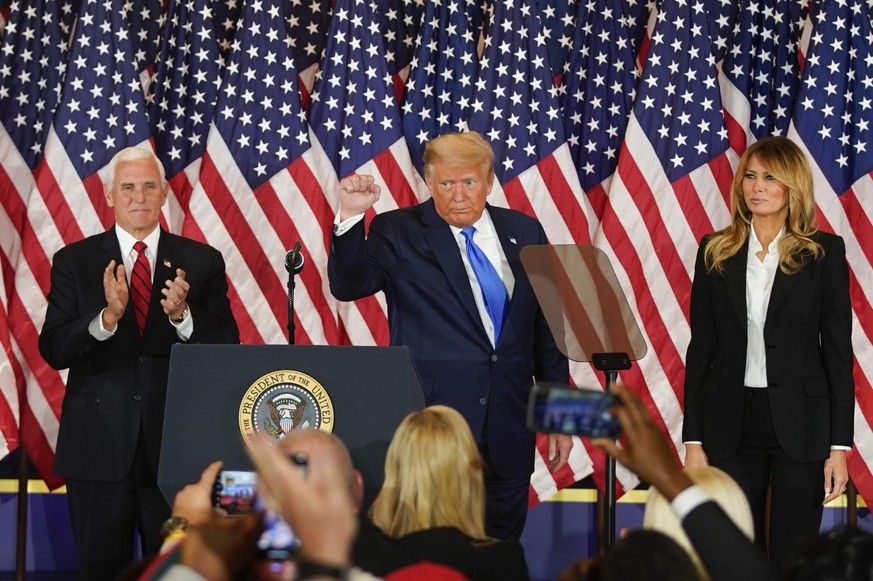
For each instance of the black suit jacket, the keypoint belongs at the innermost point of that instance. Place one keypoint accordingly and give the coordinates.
(412, 255)
(116, 386)
(807, 334)
(726, 553)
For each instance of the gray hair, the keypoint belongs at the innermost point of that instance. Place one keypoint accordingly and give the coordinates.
(130, 154)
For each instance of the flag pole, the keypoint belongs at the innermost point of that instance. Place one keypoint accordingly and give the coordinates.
(851, 504)
(21, 517)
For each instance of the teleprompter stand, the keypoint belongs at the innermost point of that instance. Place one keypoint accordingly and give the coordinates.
(591, 321)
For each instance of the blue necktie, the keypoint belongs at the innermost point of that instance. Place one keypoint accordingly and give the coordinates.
(493, 291)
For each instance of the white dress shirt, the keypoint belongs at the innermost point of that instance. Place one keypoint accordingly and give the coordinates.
(128, 256)
(759, 285)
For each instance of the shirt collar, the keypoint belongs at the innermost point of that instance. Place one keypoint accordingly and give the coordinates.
(484, 226)
(126, 241)
(755, 245)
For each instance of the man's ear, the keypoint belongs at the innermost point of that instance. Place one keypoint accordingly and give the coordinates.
(359, 489)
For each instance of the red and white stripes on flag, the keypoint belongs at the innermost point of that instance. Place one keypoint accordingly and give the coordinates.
(10, 374)
(669, 190)
(833, 124)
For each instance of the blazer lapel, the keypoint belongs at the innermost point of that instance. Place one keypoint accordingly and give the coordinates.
(165, 268)
(782, 285)
(112, 251)
(509, 242)
(511, 249)
(439, 235)
(735, 281)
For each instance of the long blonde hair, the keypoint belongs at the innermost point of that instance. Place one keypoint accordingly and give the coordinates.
(787, 163)
(433, 477)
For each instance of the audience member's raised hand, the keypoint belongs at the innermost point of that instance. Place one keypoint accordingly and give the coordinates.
(221, 547)
(194, 501)
(645, 450)
(316, 504)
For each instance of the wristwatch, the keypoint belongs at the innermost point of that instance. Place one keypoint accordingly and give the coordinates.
(307, 569)
(172, 525)
(183, 316)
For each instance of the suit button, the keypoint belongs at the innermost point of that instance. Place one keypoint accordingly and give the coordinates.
(137, 397)
(494, 358)
(772, 386)
(770, 347)
(141, 359)
(483, 400)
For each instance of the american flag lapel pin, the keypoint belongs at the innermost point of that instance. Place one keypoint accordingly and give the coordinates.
(167, 263)
(511, 239)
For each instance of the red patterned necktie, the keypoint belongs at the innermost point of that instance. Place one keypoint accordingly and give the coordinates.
(141, 285)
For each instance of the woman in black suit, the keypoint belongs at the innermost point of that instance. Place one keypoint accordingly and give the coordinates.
(769, 395)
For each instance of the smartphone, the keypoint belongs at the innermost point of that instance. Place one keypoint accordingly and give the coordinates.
(234, 491)
(278, 542)
(564, 409)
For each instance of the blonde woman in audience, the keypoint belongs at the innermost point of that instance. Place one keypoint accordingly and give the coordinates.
(432, 504)
(721, 488)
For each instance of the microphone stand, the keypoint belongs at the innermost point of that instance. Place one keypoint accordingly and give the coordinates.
(293, 264)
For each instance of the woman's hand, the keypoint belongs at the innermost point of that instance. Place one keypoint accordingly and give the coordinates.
(695, 456)
(836, 475)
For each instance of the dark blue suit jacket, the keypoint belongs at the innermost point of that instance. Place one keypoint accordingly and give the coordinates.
(116, 386)
(412, 256)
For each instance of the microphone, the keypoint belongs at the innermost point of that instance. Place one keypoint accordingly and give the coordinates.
(294, 259)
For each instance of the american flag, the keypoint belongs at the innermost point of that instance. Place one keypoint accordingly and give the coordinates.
(399, 28)
(181, 101)
(597, 93)
(357, 124)
(145, 21)
(668, 191)
(760, 74)
(442, 77)
(253, 170)
(832, 123)
(33, 58)
(516, 108)
(256, 184)
(558, 19)
(307, 32)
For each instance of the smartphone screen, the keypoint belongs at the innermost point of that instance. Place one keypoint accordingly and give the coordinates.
(563, 409)
(278, 542)
(234, 491)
